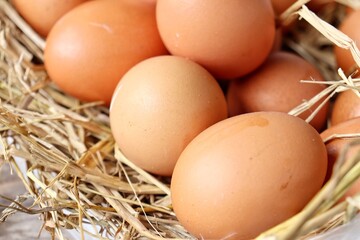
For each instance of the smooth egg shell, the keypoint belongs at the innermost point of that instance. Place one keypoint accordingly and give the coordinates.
(335, 146)
(246, 174)
(159, 106)
(346, 106)
(349, 26)
(276, 86)
(281, 6)
(94, 45)
(229, 39)
(42, 15)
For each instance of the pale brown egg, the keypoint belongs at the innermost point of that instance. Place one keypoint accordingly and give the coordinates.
(92, 46)
(230, 38)
(346, 106)
(276, 86)
(337, 142)
(349, 26)
(159, 106)
(42, 15)
(246, 174)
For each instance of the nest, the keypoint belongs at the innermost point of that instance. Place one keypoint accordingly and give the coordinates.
(76, 177)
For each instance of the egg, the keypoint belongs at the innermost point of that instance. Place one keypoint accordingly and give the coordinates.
(91, 47)
(352, 191)
(159, 106)
(246, 174)
(278, 41)
(229, 39)
(346, 106)
(281, 6)
(276, 86)
(349, 26)
(318, 5)
(336, 145)
(42, 15)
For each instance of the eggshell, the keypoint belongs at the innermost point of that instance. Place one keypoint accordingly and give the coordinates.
(349, 26)
(246, 174)
(229, 39)
(42, 15)
(92, 46)
(318, 5)
(281, 6)
(353, 190)
(159, 106)
(277, 44)
(276, 86)
(335, 146)
(346, 106)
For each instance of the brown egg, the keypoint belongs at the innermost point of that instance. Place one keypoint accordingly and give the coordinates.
(246, 174)
(353, 191)
(349, 26)
(349, 10)
(229, 39)
(277, 45)
(281, 6)
(276, 86)
(159, 106)
(346, 106)
(335, 146)
(317, 5)
(42, 15)
(91, 47)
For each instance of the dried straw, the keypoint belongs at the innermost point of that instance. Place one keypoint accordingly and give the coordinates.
(77, 177)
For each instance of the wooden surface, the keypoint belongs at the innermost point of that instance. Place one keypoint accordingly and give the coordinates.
(19, 226)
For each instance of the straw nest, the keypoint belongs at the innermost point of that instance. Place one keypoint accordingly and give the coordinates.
(77, 177)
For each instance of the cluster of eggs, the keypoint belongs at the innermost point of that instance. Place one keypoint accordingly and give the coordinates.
(200, 90)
